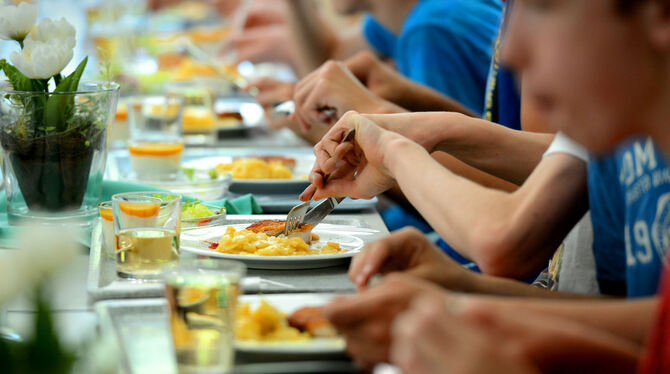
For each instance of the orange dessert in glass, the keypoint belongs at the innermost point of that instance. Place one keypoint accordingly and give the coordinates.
(155, 159)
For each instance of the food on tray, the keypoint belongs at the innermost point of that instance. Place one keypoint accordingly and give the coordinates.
(255, 168)
(189, 69)
(286, 161)
(155, 159)
(274, 227)
(246, 242)
(159, 111)
(121, 113)
(197, 119)
(268, 324)
(228, 119)
(310, 319)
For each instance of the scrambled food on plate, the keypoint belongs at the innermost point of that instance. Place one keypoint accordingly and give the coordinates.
(268, 324)
(264, 238)
(255, 168)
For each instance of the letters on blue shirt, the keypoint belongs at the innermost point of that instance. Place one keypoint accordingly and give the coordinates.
(444, 44)
(629, 196)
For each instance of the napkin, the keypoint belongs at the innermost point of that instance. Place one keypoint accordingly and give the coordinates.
(246, 204)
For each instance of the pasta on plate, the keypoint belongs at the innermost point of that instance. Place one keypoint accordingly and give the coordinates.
(255, 168)
(246, 242)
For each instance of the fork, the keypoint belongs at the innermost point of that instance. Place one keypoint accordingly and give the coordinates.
(295, 217)
(297, 213)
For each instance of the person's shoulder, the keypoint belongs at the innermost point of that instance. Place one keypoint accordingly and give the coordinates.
(446, 15)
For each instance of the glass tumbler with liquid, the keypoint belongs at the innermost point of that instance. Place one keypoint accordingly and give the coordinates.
(202, 297)
(156, 144)
(146, 230)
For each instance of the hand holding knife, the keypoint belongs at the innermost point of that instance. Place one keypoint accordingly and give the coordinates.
(319, 212)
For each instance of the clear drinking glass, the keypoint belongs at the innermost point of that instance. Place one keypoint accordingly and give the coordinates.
(198, 96)
(146, 229)
(156, 144)
(106, 218)
(202, 297)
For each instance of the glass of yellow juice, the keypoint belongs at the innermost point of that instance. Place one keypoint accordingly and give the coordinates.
(202, 297)
(146, 232)
(156, 144)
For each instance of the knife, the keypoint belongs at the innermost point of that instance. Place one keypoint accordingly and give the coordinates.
(319, 212)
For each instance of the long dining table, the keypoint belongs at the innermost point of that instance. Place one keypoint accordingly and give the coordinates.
(74, 307)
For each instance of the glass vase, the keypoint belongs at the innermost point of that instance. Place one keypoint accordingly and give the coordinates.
(54, 149)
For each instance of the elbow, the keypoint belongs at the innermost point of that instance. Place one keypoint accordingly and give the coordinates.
(499, 251)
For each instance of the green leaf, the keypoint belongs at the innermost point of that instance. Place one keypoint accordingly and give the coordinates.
(44, 352)
(19, 81)
(59, 108)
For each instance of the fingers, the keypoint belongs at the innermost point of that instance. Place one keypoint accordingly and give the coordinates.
(310, 96)
(325, 149)
(346, 313)
(361, 64)
(308, 193)
(420, 342)
(368, 262)
(396, 252)
(271, 92)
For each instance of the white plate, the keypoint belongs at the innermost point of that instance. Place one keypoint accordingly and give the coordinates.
(141, 322)
(194, 241)
(295, 185)
(288, 303)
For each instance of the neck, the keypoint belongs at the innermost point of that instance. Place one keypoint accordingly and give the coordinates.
(392, 13)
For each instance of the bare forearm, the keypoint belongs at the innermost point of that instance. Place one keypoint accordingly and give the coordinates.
(494, 149)
(498, 286)
(314, 37)
(451, 204)
(628, 319)
(419, 98)
(506, 234)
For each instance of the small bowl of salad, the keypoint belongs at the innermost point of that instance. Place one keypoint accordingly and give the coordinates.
(195, 214)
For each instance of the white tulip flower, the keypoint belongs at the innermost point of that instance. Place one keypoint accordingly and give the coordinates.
(48, 30)
(16, 21)
(47, 50)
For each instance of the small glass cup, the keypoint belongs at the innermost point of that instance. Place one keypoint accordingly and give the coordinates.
(108, 239)
(146, 230)
(156, 144)
(198, 114)
(202, 297)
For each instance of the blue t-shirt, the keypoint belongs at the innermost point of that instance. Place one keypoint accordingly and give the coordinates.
(444, 44)
(629, 196)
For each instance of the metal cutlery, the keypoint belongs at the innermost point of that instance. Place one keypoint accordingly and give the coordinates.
(287, 108)
(295, 217)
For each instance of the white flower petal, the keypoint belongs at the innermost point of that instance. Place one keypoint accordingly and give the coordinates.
(47, 50)
(42, 60)
(16, 21)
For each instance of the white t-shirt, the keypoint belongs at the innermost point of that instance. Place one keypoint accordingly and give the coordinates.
(577, 272)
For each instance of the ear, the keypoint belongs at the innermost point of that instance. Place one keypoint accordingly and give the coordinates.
(656, 17)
